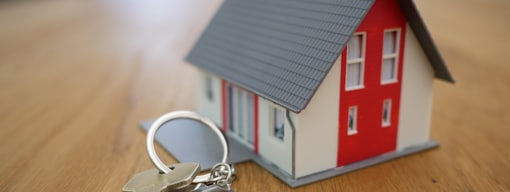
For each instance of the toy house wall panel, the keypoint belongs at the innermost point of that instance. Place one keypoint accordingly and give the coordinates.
(271, 147)
(283, 56)
(416, 95)
(362, 131)
(316, 135)
(209, 96)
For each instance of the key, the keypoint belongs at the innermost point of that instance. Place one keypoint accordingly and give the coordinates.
(179, 179)
(182, 177)
(222, 175)
(211, 188)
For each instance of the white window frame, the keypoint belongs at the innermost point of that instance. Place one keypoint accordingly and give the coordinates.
(356, 61)
(250, 115)
(272, 126)
(240, 133)
(353, 131)
(386, 122)
(209, 87)
(394, 56)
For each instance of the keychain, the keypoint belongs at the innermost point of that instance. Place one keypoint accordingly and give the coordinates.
(182, 177)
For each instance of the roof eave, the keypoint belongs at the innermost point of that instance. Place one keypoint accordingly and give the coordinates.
(424, 38)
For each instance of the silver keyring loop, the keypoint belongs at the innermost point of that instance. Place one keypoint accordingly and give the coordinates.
(183, 115)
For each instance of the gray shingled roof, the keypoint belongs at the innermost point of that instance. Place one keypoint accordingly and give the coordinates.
(278, 49)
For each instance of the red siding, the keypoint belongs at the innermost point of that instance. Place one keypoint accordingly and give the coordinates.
(372, 139)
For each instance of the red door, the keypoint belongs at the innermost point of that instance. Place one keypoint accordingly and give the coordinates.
(371, 82)
(240, 115)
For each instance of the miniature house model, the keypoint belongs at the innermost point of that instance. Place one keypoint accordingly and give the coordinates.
(316, 85)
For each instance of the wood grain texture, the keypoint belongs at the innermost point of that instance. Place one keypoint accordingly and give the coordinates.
(76, 77)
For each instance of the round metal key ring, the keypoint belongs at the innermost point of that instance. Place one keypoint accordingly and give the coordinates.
(183, 115)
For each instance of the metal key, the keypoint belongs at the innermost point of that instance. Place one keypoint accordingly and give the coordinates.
(153, 180)
(211, 188)
(222, 175)
(181, 177)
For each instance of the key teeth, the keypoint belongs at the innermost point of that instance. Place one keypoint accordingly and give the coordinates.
(212, 188)
(184, 189)
(153, 181)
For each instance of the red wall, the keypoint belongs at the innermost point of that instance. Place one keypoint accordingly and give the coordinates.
(372, 139)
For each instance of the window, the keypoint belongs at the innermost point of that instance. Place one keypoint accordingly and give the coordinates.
(386, 113)
(240, 113)
(278, 123)
(209, 88)
(230, 93)
(251, 119)
(355, 59)
(352, 121)
(390, 55)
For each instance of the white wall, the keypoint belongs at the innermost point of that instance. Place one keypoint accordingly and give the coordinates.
(317, 133)
(416, 101)
(271, 148)
(206, 107)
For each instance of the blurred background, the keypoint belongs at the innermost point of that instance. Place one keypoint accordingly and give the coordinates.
(77, 76)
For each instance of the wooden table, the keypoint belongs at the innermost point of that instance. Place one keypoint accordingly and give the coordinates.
(76, 78)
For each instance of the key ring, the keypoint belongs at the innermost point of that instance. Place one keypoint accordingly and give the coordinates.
(183, 115)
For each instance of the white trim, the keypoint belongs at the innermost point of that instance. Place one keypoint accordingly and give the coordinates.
(209, 90)
(391, 56)
(355, 88)
(355, 121)
(250, 115)
(386, 122)
(355, 61)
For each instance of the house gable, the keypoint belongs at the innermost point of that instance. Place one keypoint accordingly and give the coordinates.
(283, 49)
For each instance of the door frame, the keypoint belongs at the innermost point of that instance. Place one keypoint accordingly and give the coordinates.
(234, 99)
